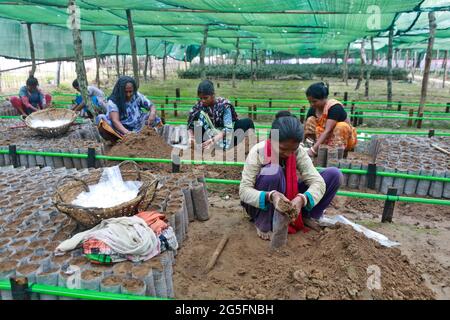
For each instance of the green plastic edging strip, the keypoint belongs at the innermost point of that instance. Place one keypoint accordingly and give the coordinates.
(78, 293)
(355, 194)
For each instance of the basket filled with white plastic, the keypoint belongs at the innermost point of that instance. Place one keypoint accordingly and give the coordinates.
(115, 192)
(51, 122)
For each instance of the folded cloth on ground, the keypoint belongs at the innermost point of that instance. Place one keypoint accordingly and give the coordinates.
(168, 240)
(155, 220)
(128, 236)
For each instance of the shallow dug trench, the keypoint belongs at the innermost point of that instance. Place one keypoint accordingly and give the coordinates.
(332, 264)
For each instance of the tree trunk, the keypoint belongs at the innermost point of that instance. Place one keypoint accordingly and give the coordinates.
(117, 57)
(363, 64)
(345, 67)
(251, 63)
(413, 66)
(389, 65)
(97, 60)
(235, 63)
(426, 73)
(58, 74)
(133, 47)
(256, 64)
(32, 54)
(405, 65)
(444, 67)
(165, 61)
(146, 60)
(124, 64)
(79, 61)
(202, 53)
(150, 64)
(369, 68)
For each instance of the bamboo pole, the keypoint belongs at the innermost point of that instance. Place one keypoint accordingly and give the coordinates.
(32, 53)
(389, 63)
(146, 60)
(345, 68)
(117, 57)
(79, 61)
(202, 53)
(58, 74)
(97, 60)
(363, 64)
(426, 73)
(235, 63)
(133, 47)
(217, 252)
(369, 68)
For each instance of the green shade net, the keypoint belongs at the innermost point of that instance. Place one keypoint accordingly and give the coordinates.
(293, 27)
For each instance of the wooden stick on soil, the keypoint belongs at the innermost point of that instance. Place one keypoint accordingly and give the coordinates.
(217, 253)
(440, 149)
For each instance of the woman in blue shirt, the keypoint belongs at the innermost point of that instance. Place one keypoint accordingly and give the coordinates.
(124, 108)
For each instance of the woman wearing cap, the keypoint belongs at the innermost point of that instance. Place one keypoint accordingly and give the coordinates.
(217, 118)
(270, 175)
(327, 121)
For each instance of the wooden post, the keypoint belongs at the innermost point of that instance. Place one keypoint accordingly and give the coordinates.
(150, 66)
(235, 63)
(352, 111)
(410, 115)
(202, 53)
(58, 74)
(371, 175)
(270, 103)
(302, 114)
(426, 73)
(360, 119)
(389, 60)
(419, 121)
(388, 210)
(32, 53)
(165, 61)
(447, 108)
(444, 66)
(345, 98)
(79, 61)
(163, 112)
(146, 60)
(97, 60)
(117, 57)
(177, 95)
(399, 108)
(250, 113)
(124, 64)
(133, 47)
(236, 101)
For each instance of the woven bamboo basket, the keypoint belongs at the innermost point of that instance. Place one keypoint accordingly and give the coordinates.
(69, 188)
(51, 114)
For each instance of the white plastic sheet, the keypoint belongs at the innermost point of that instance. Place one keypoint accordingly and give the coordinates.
(109, 192)
(381, 239)
(37, 123)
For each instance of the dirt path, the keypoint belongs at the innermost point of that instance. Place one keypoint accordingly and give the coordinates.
(330, 265)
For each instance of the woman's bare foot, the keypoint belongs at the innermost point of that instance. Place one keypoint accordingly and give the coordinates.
(264, 235)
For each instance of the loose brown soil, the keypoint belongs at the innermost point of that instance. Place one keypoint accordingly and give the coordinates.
(332, 264)
(50, 271)
(8, 266)
(140, 271)
(133, 285)
(111, 281)
(22, 254)
(27, 268)
(123, 268)
(79, 261)
(90, 275)
(38, 244)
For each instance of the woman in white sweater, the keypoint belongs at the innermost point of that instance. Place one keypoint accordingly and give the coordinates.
(270, 174)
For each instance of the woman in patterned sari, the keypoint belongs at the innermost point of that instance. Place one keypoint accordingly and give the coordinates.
(327, 121)
(217, 119)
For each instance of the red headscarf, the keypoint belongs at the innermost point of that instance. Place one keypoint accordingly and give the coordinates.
(291, 183)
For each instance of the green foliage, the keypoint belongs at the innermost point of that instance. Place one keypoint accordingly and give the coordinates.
(275, 71)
